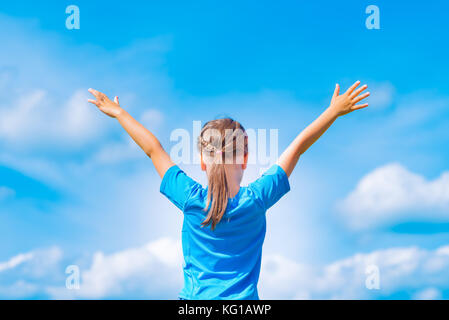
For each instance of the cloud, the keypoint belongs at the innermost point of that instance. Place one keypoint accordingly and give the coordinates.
(392, 194)
(116, 152)
(152, 118)
(406, 269)
(428, 294)
(16, 120)
(15, 261)
(42, 169)
(37, 119)
(36, 262)
(382, 95)
(42, 99)
(26, 274)
(283, 278)
(153, 270)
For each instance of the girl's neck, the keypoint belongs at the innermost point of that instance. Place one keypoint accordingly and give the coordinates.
(234, 177)
(234, 189)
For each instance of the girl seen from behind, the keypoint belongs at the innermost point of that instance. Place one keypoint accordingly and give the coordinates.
(224, 224)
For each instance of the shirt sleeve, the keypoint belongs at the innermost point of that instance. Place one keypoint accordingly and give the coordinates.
(178, 187)
(271, 186)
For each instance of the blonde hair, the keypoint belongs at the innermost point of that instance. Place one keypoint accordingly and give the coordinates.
(221, 141)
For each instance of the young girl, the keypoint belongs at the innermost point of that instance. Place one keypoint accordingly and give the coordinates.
(224, 224)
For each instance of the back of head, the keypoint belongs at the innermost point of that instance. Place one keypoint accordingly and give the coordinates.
(221, 142)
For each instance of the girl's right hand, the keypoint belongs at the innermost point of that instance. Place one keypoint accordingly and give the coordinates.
(111, 108)
(347, 102)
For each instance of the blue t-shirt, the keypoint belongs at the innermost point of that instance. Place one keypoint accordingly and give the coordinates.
(223, 263)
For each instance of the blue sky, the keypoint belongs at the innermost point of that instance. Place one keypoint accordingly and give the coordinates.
(75, 191)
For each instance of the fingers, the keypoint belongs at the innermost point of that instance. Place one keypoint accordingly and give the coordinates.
(360, 106)
(358, 91)
(336, 91)
(101, 97)
(352, 88)
(360, 98)
(95, 102)
(94, 92)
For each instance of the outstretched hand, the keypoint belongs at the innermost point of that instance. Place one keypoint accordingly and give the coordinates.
(111, 108)
(347, 102)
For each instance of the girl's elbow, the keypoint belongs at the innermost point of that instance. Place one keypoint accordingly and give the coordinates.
(148, 151)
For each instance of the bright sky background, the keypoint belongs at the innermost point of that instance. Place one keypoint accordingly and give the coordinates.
(75, 191)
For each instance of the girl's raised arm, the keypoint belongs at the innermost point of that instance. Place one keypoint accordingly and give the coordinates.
(340, 105)
(143, 137)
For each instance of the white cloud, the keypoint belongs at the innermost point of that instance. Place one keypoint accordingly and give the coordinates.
(38, 168)
(154, 269)
(79, 120)
(35, 118)
(44, 263)
(399, 269)
(152, 118)
(282, 278)
(36, 263)
(392, 194)
(117, 152)
(428, 294)
(382, 95)
(18, 119)
(23, 274)
(15, 261)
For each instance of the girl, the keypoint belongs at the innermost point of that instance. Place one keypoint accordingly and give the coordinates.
(224, 224)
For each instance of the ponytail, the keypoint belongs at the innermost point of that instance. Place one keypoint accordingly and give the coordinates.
(217, 195)
(219, 140)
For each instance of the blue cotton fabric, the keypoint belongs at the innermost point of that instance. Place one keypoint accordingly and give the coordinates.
(223, 263)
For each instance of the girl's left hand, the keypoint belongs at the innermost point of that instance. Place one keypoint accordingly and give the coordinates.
(111, 108)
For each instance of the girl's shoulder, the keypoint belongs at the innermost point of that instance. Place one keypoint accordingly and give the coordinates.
(197, 197)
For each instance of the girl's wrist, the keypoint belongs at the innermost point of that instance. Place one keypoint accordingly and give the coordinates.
(331, 110)
(120, 113)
